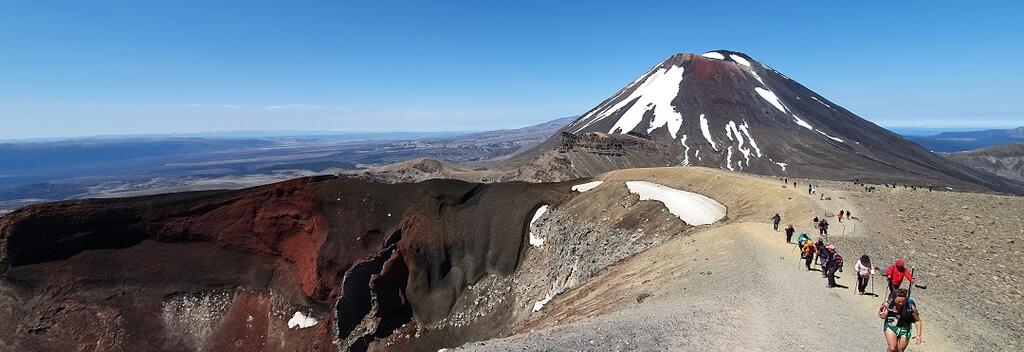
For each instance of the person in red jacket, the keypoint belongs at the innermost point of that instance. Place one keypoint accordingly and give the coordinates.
(896, 273)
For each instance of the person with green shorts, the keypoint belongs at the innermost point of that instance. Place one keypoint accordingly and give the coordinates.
(900, 313)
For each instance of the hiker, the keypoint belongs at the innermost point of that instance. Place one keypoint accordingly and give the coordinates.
(815, 222)
(848, 216)
(840, 215)
(823, 227)
(809, 188)
(896, 273)
(834, 264)
(822, 253)
(775, 221)
(807, 252)
(789, 232)
(899, 314)
(801, 239)
(863, 269)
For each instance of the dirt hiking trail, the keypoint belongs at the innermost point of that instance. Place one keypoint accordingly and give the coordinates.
(735, 287)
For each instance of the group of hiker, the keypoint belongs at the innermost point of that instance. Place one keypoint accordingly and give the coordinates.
(893, 185)
(821, 225)
(811, 189)
(898, 311)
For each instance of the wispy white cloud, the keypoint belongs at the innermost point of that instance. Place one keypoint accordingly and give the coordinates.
(302, 107)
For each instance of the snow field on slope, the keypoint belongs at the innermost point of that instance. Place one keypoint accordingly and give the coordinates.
(801, 122)
(739, 59)
(656, 92)
(707, 132)
(534, 239)
(583, 187)
(770, 97)
(694, 209)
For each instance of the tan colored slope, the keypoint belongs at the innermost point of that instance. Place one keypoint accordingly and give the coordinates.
(747, 198)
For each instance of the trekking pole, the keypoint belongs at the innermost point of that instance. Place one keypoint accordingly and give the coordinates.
(911, 286)
(872, 281)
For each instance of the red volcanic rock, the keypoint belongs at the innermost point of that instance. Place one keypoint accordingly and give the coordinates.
(281, 220)
(226, 270)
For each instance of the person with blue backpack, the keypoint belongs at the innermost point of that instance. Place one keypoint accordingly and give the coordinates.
(832, 265)
(901, 315)
(801, 239)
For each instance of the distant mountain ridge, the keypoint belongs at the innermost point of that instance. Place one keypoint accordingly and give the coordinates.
(1006, 160)
(91, 167)
(951, 142)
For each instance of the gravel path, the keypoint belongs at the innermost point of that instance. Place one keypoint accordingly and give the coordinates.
(734, 287)
(967, 248)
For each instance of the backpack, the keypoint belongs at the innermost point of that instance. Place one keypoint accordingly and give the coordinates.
(808, 249)
(837, 261)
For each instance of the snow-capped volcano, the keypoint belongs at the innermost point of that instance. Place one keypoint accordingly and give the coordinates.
(717, 106)
(723, 109)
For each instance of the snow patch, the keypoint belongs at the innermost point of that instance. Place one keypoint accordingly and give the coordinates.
(300, 321)
(782, 165)
(592, 113)
(830, 137)
(694, 209)
(822, 103)
(535, 240)
(707, 133)
(714, 55)
(655, 93)
(757, 77)
(686, 152)
(739, 59)
(540, 304)
(801, 122)
(728, 159)
(595, 114)
(770, 97)
(730, 131)
(736, 133)
(746, 130)
(583, 187)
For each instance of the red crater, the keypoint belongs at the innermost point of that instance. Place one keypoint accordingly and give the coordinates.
(226, 270)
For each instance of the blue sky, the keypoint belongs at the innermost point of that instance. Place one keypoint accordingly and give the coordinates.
(73, 68)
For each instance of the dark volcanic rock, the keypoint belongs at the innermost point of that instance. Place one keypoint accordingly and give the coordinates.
(227, 270)
(725, 110)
